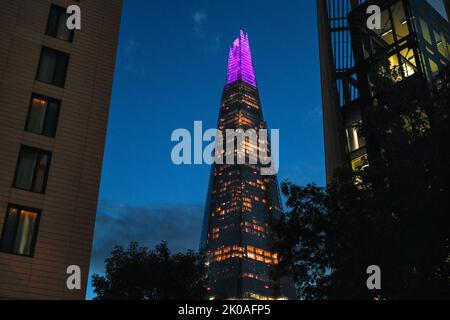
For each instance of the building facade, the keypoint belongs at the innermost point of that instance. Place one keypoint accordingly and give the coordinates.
(55, 87)
(237, 236)
(413, 36)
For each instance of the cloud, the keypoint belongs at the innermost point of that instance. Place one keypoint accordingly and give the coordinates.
(211, 43)
(315, 113)
(215, 44)
(199, 18)
(130, 46)
(180, 225)
(129, 55)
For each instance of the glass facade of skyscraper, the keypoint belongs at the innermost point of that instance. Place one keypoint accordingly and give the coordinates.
(237, 236)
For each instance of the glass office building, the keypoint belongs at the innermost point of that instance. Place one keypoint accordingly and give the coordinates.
(237, 236)
(413, 36)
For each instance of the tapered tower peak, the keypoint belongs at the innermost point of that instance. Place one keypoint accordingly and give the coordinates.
(240, 63)
(237, 237)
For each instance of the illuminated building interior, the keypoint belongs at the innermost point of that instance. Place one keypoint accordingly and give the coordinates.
(413, 38)
(236, 234)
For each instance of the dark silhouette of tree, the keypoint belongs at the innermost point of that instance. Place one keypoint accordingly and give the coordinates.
(394, 213)
(142, 274)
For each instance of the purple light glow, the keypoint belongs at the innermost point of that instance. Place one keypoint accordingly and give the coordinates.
(240, 63)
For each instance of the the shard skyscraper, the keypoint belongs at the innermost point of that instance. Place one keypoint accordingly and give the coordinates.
(236, 233)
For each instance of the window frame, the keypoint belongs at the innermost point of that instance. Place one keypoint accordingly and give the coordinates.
(52, 83)
(60, 9)
(49, 100)
(46, 174)
(38, 213)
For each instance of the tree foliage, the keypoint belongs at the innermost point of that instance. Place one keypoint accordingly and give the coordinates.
(394, 213)
(138, 273)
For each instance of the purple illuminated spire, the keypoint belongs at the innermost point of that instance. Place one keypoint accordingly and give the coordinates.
(240, 63)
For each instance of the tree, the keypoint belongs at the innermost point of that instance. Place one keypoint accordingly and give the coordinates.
(394, 213)
(142, 274)
(302, 240)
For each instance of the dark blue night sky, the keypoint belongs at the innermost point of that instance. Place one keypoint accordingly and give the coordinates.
(170, 72)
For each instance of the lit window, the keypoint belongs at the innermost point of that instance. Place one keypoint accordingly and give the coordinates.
(408, 62)
(433, 66)
(20, 231)
(354, 140)
(43, 116)
(385, 33)
(360, 163)
(400, 21)
(425, 31)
